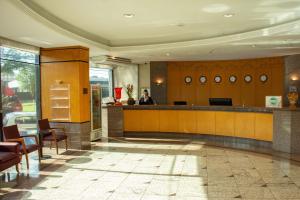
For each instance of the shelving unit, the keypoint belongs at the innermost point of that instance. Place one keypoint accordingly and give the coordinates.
(60, 102)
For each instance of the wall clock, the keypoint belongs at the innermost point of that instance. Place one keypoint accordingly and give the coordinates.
(188, 79)
(202, 79)
(263, 78)
(232, 79)
(248, 78)
(218, 79)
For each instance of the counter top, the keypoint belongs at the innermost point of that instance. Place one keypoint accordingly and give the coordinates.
(213, 108)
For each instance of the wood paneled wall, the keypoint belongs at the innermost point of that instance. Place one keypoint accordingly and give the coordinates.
(249, 94)
(71, 66)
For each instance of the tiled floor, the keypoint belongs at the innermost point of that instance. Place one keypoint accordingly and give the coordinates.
(132, 170)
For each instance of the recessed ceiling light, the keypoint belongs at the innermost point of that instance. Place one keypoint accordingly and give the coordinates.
(128, 15)
(216, 8)
(253, 45)
(228, 15)
(168, 54)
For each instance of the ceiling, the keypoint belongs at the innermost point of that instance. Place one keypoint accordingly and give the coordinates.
(159, 30)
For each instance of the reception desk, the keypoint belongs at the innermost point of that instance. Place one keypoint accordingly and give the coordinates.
(254, 124)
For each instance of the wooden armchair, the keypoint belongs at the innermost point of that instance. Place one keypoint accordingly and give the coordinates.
(11, 134)
(49, 134)
(9, 155)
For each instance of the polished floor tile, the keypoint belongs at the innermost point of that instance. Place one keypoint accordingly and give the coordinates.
(153, 170)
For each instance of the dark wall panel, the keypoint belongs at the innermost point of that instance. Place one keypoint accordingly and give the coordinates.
(292, 70)
(159, 71)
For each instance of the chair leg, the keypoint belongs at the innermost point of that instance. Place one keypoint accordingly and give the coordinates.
(66, 142)
(39, 152)
(56, 145)
(17, 168)
(27, 160)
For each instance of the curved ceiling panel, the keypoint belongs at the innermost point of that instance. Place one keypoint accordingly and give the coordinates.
(159, 30)
(167, 21)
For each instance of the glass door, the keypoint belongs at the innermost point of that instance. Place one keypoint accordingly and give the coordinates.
(96, 111)
(101, 87)
(19, 83)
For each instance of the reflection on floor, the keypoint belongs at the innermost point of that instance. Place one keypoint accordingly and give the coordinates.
(137, 170)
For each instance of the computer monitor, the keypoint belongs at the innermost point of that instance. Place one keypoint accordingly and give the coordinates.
(220, 101)
(180, 103)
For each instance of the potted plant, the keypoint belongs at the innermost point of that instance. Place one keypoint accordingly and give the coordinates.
(129, 91)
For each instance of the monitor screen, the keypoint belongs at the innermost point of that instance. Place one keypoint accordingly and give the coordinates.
(180, 103)
(220, 101)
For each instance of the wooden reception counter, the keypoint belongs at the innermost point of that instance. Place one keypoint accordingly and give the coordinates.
(255, 125)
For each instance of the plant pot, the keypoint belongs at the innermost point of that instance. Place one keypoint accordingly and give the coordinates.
(130, 101)
(293, 98)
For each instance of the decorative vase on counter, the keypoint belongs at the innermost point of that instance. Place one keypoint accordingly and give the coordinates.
(293, 98)
(118, 95)
(130, 101)
(129, 91)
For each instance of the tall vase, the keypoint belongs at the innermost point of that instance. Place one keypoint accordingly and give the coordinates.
(118, 95)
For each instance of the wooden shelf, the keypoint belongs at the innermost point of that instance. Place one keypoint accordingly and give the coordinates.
(59, 89)
(60, 119)
(60, 102)
(60, 98)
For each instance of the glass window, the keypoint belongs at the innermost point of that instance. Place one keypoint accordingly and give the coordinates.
(104, 78)
(18, 88)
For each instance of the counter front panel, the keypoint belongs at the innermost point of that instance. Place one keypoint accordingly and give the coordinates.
(253, 125)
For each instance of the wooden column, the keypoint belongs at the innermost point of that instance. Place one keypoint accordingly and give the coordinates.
(68, 65)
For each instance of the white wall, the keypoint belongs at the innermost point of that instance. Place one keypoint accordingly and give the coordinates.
(126, 74)
(144, 76)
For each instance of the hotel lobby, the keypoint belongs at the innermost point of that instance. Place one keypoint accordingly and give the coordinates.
(129, 100)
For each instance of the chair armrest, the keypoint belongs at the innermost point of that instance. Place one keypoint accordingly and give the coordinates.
(33, 136)
(62, 129)
(45, 131)
(20, 141)
(9, 147)
(53, 133)
(58, 128)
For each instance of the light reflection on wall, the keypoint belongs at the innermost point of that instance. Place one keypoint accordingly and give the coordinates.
(124, 75)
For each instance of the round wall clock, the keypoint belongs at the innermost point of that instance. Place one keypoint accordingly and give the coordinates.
(202, 79)
(263, 78)
(232, 79)
(248, 78)
(218, 79)
(188, 79)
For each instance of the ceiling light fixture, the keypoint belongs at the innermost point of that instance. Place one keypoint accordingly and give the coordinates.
(128, 15)
(216, 8)
(228, 15)
(168, 54)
